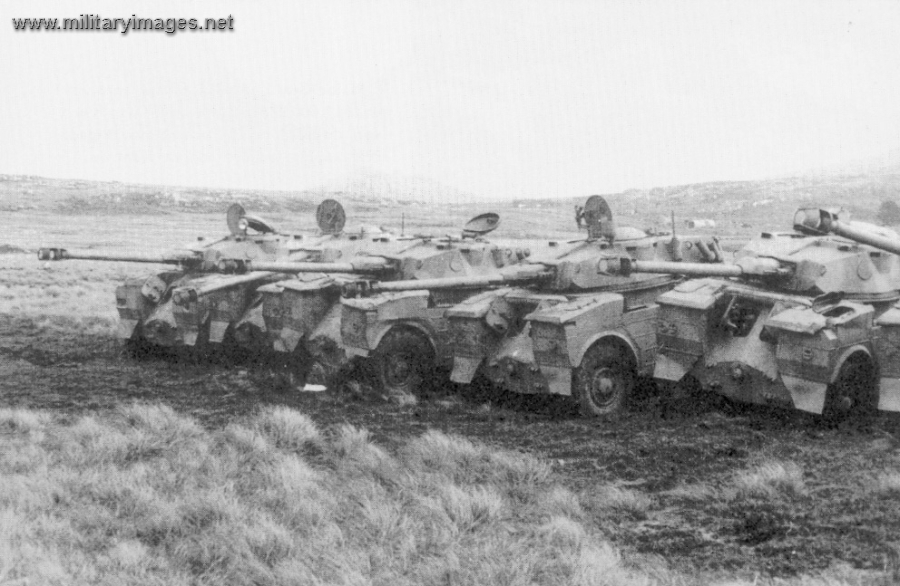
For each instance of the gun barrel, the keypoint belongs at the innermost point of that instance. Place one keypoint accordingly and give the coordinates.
(320, 267)
(688, 269)
(63, 254)
(436, 283)
(536, 273)
(864, 236)
(755, 266)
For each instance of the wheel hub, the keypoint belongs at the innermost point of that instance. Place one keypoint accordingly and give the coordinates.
(398, 369)
(604, 386)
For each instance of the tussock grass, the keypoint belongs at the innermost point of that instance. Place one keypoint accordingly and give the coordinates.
(769, 480)
(143, 495)
(837, 575)
(146, 496)
(615, 500)
(887, 484)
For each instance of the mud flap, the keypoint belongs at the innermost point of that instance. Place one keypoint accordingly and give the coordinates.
(287, 340)
(217, 331)
(464, 369)
(889, 394)
(559, 379)
(125, 329)
(807, 395)
(669, 368)
(190, 335)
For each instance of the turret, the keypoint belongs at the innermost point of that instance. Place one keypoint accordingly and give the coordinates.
(824, 221)
(822, 255)
(574, 266)
(419, 261)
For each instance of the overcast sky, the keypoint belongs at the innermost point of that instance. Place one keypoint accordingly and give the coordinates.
(498, 98)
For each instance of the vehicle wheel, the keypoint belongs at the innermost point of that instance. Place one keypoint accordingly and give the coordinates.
(402, 361)
(137, 347)
(603, 381)
(290, 371)
(854, 393)
(202, 352)
(685, 397)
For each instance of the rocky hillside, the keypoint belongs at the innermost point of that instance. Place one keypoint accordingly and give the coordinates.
(732, 206)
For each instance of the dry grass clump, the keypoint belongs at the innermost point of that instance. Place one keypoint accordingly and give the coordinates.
(839, 574)
(467, 462)
(146, 496)
(288, 429)
(615, 501)
(769, 480)
(887, 484)
(23, 421)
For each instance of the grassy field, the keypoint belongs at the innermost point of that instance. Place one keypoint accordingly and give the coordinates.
(143, 495)
(148, 496)
(121, 472)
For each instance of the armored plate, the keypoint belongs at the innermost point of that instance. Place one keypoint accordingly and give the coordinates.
(322, 281)
(258, 224)
(238, 221)
(596, 209)
(629, 233)
(482, 224)
(233, 217)
(598, 218)
(330, 217)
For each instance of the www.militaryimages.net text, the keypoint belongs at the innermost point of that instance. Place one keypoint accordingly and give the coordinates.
(96, 23)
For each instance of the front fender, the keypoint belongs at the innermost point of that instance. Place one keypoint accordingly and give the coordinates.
(576, 355)
(809, 395)
(382, 331)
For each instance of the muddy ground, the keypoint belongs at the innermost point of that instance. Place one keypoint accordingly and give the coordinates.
(683, 462)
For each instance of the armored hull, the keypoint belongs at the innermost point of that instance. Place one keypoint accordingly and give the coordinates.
(533, 324)
(305, 317)
(806, 321)
(586, 332)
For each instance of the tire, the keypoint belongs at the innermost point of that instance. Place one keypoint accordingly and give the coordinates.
(685, 398)
(290, 371)
(604, 381)
(403, 361)
(854, 393)
(202, 352)
(138, 348)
